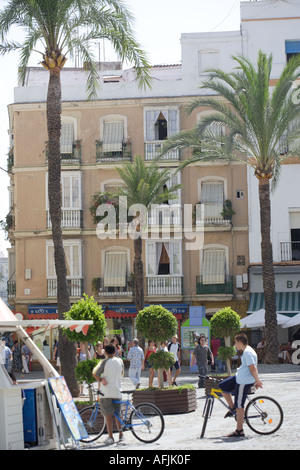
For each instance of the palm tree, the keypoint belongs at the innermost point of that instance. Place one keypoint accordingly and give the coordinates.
(145, 185)
(261, 125)
(61, 27)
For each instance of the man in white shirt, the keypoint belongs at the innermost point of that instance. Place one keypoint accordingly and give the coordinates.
(246, 376)
(174, 348)
(109, 374)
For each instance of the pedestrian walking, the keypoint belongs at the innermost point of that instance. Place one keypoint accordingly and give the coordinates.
(136, 358)
(26, 354)
(174, 348)
(5, 355)
(150, 349)
(202, 354)
(17, 359)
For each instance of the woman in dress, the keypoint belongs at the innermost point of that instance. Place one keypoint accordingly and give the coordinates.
(17, 359)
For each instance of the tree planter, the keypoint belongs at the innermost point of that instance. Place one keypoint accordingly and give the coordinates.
(169, 401)
(209, 383)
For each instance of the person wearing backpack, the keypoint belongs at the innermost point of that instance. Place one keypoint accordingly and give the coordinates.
(202, 354)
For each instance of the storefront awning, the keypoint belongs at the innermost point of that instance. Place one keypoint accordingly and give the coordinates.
(286, 302)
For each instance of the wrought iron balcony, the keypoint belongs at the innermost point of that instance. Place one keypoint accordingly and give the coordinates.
(72, 157)
(214, 289)
(112, 291)
(124, 154)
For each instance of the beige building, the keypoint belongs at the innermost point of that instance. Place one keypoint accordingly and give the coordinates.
(186, 263)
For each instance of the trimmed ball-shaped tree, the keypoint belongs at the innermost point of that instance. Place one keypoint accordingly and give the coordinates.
(87, 309)
(158, 324)
(225, 323)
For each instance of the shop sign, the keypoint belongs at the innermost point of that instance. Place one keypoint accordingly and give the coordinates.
(42, 310)
(293, 284)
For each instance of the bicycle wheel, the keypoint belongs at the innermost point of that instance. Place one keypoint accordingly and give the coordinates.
(263, 415)
(93, 421)
(207, 413)
(147, 422)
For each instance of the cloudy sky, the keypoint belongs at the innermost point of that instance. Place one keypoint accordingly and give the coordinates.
(158, 26)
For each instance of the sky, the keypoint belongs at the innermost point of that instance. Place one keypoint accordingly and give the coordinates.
(158, 27)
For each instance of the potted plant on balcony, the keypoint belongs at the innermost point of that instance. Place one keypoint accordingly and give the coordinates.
(158, 323)
(227, 211)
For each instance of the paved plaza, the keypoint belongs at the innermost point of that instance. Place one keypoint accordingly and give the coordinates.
(182, 431)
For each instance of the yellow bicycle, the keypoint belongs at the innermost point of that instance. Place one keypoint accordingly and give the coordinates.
(262, 414)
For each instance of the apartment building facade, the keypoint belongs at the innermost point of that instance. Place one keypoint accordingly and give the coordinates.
(197, 262)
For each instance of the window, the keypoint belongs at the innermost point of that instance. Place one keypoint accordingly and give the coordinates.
(161, 123)
(115, 271)
(292, 48)
(68, 135)
(113, 130)
(71, 200)
(212, 196)
(73, 253)
(163, 258)
(213, 265)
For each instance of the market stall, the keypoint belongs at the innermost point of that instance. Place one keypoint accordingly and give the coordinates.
(45, 399)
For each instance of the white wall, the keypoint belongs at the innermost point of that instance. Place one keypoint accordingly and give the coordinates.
(285, 196)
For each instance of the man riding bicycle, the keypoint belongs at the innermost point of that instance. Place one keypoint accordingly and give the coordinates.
(241, 383)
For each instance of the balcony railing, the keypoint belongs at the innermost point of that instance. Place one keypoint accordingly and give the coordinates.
(75, 287)
(153, 149)
(165, 215)
(11, 289)
(164, 285)
(71, 218)
(118, 291)
(210, 213)
(124, 154)
(290, 251)
(72, 157)
(213, 289)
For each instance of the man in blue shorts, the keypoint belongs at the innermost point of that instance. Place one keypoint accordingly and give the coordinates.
(241, 383)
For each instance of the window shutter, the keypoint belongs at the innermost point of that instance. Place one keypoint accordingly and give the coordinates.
(213, 268)
(175, 258)
(212, 195)
(113, 136)
(66, 137)
(151, 258)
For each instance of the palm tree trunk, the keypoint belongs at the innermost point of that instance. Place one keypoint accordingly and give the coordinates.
(271, 356)
(139, 280)
(67, 350)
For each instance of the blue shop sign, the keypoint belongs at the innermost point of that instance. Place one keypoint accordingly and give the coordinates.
(173, 308)
(42, 310)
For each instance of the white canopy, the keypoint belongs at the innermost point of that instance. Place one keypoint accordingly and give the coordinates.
(10, 322)
(292, 321)
(257, 319)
